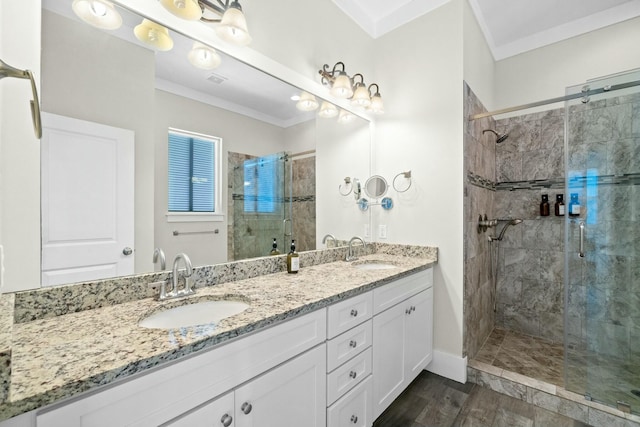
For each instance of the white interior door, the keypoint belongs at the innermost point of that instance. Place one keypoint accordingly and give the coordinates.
(87, 200)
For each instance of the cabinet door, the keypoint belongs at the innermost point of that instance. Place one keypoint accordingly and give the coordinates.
(217, 413)
(388, 357)
(293, 394)
(419, 333)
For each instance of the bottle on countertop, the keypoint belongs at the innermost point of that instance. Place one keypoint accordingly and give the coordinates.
(574, 205)
(293, 259)
(559, 206)
(544, 205)
(274, 248)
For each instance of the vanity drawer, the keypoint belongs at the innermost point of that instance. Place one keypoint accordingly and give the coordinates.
(348, 376)
(345, 346)
(354, 409)
(389, 295)
(347, 314)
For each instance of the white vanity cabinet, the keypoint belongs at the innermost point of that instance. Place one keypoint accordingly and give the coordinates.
(402, 335)
(245, 367)
(287, 395)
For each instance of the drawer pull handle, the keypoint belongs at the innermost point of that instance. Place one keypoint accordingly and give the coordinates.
(354, 419)
(353, 374)
(246, 408)
(354, 312)
(353, 344)
(226, 420)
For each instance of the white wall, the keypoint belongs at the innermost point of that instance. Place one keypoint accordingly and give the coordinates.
(82, 79)
(19, 149)
(479, 66)
(545, 73)
(420, 69)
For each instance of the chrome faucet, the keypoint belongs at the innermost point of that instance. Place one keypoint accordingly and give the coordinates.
(329, 236)
(350, 256)
(158, 255)
(174, 292)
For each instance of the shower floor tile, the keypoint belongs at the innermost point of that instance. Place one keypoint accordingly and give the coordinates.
(526, 355)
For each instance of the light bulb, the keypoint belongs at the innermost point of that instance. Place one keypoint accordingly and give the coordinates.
(154, 35)
(185, 9)
(233, 26)
(203, 57)
(98, 13)
(307, 102)
(361, 96)
(376, 107)
(327, 110)
(345, 117)
(341, 87)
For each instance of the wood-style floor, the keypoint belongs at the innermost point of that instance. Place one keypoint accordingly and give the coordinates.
(435, 401)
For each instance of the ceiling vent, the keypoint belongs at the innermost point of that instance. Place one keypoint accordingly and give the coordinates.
(216, 78)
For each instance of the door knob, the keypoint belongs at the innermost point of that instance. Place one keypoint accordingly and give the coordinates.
(127, 251)
(226, 420)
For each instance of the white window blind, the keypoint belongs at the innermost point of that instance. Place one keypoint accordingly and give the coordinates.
(192, 172)
(262, 184)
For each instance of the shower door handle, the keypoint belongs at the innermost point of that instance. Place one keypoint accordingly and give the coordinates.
(288, 220)
(581, 248)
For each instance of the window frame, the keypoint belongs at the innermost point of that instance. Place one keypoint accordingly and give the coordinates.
(218, 214)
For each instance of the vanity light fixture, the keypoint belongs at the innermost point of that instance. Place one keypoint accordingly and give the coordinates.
(307, 102)
(232, 24)
(203, 57)
(343, 86)
(153, 34)
(327, 110)
(99, 13)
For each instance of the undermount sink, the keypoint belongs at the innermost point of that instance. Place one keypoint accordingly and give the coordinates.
(373, 265)
(200, 313)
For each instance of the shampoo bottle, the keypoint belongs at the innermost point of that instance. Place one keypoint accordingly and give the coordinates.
(574, 205)
(544, 205)
(293, 259)
(559, 207)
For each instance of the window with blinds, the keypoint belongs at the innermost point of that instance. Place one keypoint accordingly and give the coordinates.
(192, 172)
(261, 184)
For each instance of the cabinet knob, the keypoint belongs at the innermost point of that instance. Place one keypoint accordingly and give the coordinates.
(354, 312)
(353, 374)
(353, 344)
(246, 408)
(226, 420)
(354, 419)
(413, 308)
(407, 311)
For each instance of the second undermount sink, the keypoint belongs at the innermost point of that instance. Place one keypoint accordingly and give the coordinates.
(373, 265)
(200, 313)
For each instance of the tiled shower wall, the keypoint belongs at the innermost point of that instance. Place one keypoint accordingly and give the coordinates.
(479, 194)
(530, 163)
(303, 203)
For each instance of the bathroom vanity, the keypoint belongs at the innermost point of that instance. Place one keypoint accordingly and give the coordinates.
(331, 346)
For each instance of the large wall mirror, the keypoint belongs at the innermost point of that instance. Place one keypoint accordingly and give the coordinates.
(107, 81)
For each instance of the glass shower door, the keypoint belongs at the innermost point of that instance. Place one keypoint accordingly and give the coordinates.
(602, 243)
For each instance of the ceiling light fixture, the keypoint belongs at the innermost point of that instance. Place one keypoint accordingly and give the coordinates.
(99, 13)
(154, 35)
(343, 86)
(345, 117)
(307, 102)
(204, 57)
(232, 26)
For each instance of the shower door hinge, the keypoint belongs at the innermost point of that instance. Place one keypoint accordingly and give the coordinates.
(588, 397)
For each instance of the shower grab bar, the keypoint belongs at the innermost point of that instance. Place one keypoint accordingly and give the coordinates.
(581, 249)
(7, 70)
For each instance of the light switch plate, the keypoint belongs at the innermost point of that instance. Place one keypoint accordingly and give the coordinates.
(382, 231)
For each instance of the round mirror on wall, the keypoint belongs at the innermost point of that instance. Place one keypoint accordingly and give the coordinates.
(376, 187)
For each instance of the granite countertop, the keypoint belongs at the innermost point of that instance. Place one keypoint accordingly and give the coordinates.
(55, 358)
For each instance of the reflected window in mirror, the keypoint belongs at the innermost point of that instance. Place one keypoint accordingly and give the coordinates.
(194, 164)
(262, 184)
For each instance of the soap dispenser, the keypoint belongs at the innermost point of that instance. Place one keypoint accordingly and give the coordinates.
(293, 259)
(274, 248)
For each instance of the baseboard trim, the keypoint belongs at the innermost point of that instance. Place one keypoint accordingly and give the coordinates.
(449, 366)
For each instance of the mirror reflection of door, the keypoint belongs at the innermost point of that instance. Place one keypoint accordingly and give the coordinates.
(87, 201)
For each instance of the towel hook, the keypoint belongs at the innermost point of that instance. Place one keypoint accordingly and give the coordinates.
(9, 71)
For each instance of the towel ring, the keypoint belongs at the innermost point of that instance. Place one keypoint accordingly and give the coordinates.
(347, 183)
(407, 175)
